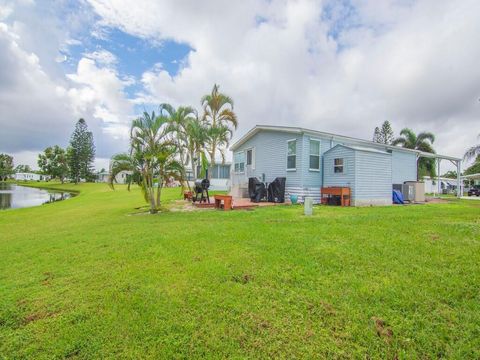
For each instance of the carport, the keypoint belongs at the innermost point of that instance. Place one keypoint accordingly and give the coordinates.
(470, 177)
(457, 162)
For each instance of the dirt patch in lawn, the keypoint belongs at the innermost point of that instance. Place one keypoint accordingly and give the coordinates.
(185, 206)
(382, 329)
(242, 279)
(47, 280)
(38, 316)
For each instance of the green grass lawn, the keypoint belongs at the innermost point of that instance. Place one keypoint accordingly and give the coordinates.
(84, 278)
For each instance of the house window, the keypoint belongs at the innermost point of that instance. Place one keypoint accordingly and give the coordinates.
(338, 166)
(291, 155)
(220, 171)
(314, 155)
(249, 157)
(224, 172)
(239, 162)
(214, 173)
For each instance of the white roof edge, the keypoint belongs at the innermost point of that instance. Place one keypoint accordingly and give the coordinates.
(299, 130)
(359, 148)
(257, 128)
(439, 156)
(471, 176)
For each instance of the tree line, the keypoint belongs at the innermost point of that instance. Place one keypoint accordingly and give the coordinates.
(164, 145)
(74, 163)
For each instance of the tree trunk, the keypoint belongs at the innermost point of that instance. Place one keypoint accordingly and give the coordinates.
(159, 189)
(150, 191)
(212, 159)
(194, 166)
(184, 173)
(159, 194)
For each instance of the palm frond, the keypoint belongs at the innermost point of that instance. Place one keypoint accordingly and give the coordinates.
(472, 152)
(399, 141)
(425, 136)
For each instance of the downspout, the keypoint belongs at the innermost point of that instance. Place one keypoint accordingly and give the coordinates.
(323, 162)
(418, 159)
(439, 186)
(459, 184)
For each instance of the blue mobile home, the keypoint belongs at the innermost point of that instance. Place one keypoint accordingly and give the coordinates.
(312, 159)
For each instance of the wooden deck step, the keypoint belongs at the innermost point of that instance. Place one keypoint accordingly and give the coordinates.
(244, 206)
(204, 205)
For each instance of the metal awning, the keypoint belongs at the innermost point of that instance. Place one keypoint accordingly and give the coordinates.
(457, 162)
(471, 177)
(438, 156)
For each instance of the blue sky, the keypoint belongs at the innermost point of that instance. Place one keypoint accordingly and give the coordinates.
(135, 55)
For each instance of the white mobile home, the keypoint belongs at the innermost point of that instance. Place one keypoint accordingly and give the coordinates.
(219, 176)
(31, 177)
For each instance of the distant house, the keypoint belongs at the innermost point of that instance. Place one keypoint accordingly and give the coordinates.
(310, 160)
(103, 176)
(447, 185)
(31, 177)
(122, 177)
(472, 179)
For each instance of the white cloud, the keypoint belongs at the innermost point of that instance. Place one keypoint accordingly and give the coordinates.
(103, 90)
(103, 57)
(39, 106)
(335, 66)
(30, 105)
(332, 66)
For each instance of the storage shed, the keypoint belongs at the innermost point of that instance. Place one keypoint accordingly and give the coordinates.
(367, 172)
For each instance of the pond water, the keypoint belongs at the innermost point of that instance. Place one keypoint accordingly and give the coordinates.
(14, 196)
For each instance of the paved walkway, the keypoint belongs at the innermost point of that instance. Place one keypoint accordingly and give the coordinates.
(470, 197)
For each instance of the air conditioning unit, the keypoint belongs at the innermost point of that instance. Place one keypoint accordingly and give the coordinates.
(407, 190)
(418, 190)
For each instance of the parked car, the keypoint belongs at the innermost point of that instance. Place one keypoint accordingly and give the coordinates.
(474, 191)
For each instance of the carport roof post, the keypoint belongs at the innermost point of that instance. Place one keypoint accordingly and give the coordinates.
(454, 160)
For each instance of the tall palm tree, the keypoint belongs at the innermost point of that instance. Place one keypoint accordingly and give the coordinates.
(179, 119)
(196, 134)
(219, 115)
(472, 152)
(423, 142)
(168, 167)
(151, 158)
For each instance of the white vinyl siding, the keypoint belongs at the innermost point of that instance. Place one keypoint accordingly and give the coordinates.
(292, 154)
(404, 167)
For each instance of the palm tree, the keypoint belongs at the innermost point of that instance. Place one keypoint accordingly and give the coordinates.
(151, 158)
(423, 142)
(179, 119)
(168, 168)
(472, 152)
(219, 115)
(126, 162)
(196, 134)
